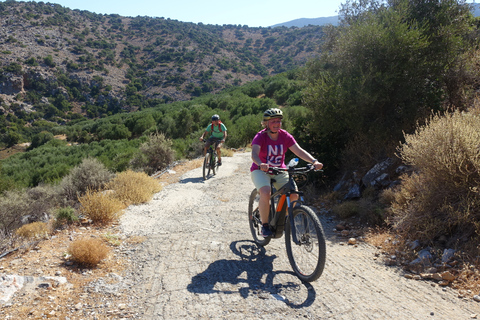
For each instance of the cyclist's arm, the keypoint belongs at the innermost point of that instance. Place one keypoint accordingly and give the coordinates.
(204, 134)
(224, 136)
(301, 153)
(256, 158)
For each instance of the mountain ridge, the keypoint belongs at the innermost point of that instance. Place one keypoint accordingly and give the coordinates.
(334, 20)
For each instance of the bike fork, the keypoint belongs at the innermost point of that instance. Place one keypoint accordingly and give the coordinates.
(290, 206)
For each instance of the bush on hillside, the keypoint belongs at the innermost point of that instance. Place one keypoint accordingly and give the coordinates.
(100, 207)
(88, 252)
(65, 215)
(442, 197)
(34, 231)
(133, 187)
(90, 174)
(40, 139)
(154, 154)
(25, 206)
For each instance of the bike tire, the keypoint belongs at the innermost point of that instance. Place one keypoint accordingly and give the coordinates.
(308, 257)
(254, 220)
(206, 166)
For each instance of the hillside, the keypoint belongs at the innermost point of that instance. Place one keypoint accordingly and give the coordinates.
(334, 20)
(302, 22)
(60, 62)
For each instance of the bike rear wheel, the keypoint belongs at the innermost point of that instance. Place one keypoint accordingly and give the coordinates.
(254, 220)
(307, 258)
(206, 166)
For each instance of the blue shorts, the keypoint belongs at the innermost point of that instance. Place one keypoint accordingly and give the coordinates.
(261, 179)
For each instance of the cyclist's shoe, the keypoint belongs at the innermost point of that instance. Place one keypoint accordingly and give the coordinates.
(266, 232)
(219, 163)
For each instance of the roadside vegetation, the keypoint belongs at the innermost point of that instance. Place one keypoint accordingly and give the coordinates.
(396, 79)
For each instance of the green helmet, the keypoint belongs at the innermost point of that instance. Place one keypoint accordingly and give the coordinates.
(272, 113)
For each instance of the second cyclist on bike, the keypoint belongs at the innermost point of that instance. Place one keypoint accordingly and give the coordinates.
(269, 147)
(217, 133)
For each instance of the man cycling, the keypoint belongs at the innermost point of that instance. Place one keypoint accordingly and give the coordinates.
(268, 150)
(217, 134)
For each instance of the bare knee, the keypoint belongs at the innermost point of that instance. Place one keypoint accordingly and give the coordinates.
(265, 192)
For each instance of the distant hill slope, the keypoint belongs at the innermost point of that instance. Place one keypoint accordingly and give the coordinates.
(476, 9)
(333, 20)
(56, 61)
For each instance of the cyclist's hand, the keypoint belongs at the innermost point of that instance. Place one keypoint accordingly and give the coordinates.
(264, 167)
(318, 165)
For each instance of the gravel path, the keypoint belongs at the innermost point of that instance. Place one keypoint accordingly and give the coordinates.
(199, 262)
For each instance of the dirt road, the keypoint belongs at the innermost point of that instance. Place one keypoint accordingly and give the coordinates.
(199, 262)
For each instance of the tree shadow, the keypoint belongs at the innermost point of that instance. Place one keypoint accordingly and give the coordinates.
(249, 271)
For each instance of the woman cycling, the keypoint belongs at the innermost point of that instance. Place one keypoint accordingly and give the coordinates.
(268, 150)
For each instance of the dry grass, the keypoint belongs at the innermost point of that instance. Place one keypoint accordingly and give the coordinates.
(133, 187)
(88, 252)
(442, 197)
(35, 230)
(468, 280)
(226, 152)
(384, 239)
(101, 207)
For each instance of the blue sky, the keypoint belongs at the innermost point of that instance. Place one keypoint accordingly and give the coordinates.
(253, 13)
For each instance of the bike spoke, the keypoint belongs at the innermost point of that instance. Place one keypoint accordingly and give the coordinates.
(255, 221)
(307, 256)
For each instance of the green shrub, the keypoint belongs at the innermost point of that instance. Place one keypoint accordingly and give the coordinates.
(67, 215)
(40, 139)
(442, 198)
(90, 174)
(155, 154)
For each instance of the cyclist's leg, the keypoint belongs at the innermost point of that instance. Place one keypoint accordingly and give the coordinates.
(207, 144)
(280, 180)
(219, 151)
(261, 180)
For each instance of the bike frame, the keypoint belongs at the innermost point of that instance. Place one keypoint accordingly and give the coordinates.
(284, 192)
(212, 150)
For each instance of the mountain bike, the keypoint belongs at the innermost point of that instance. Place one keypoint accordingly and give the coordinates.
(304, 236)
(210, 162)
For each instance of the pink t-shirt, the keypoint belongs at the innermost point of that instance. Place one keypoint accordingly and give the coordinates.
(273, 152)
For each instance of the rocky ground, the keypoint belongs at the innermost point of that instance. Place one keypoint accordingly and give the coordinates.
(188, 254)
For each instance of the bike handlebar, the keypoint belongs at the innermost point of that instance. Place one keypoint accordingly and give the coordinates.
(292, 170)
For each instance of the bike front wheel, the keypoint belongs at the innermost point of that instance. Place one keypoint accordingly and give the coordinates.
(254, 220)
(307, 257)
(214, 163)
(206, 166)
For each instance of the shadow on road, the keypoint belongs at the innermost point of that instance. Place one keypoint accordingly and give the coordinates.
(248, 272)
(193, 180)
